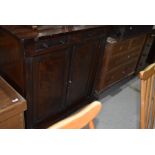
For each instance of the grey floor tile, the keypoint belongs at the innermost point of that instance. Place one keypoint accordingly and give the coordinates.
(135, 85)
(121, 110)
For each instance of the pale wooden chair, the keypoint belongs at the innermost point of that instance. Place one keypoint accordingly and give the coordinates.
(147, 106)
(81, 118)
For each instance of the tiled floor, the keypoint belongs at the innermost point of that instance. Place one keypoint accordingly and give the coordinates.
(120, 107)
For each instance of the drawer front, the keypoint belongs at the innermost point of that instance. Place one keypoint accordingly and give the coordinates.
(118, 48)
(125, 46)
(43, 44)
(114, 76)
(137, 41)
(119, 73)
(118, 60)
(49, 43)
(130, 67)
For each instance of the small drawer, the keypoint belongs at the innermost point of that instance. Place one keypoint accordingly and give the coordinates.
(138, 41)
(44, 43)
(118, 60)
(135, 50)
(119, 73)
(114, 75)
(130, 69)
(134, 54)
(118, 48)
(115, 62)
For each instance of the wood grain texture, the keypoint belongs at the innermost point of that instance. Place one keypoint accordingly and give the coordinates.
(12, 107)
(147, 106)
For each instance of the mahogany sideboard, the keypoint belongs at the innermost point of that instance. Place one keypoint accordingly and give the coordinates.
(53, 67)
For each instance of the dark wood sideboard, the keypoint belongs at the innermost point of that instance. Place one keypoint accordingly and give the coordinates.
(54, 67)
(123, 50)
(151, 55)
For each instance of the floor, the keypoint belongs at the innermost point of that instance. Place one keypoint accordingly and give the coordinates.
(120, 106)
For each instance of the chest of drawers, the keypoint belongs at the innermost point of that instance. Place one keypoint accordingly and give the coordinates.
(119, 61)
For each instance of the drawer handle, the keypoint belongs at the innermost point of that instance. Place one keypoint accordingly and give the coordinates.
(128, 56)
(62, 42)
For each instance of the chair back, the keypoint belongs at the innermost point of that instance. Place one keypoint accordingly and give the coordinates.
(147, 106)
(81, 118)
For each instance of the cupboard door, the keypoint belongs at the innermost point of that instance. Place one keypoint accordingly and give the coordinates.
(50, 84)
(83, 67)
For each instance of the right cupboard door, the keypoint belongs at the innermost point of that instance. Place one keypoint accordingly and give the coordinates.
(83, 70)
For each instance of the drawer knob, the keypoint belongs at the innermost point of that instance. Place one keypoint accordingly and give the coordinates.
(130, 27)
(128, 56)
(70, 81)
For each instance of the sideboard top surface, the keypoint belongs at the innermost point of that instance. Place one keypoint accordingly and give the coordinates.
(29, 32)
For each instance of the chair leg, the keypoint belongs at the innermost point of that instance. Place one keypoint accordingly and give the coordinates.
(91, 125)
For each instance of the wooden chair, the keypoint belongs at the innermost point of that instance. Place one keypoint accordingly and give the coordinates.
(81, 118)
(147, 107)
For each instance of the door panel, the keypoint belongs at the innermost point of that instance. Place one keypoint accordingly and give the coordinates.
(50, 84)
(82, 71)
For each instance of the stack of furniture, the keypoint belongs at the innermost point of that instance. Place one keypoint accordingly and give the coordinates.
(59, 69)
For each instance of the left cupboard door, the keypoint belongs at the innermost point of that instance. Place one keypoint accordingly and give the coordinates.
(50, 76)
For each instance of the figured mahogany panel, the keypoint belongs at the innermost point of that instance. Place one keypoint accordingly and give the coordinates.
(50, 74)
